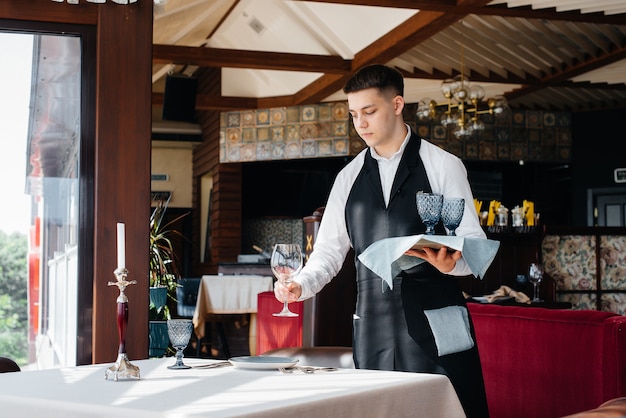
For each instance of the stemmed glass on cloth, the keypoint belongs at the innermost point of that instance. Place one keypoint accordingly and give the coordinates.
(286, 263)
(179, 331)
(535, 275)
(452, 213)
(429, 209)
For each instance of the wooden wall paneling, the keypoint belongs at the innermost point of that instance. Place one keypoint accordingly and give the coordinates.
(226, 194)
(516, 252)
(227, 204)
(49, 11)
(205, 160)
(203, 163)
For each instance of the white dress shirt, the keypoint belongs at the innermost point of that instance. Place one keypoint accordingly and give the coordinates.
(447, 175)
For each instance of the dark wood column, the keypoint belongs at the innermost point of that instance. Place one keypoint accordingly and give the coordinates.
(122, 171)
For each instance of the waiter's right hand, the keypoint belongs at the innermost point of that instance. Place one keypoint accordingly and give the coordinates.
(291, 291)
(442, 259)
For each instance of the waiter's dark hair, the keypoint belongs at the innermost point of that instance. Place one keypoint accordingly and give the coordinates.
(376, 76)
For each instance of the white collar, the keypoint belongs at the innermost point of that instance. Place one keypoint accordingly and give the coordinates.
(398, 153)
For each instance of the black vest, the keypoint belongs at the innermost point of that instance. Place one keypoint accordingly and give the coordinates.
(366, 205)
(390, 330)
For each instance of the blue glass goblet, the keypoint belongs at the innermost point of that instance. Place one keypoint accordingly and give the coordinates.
(452, 213)
(179, 331)
(429, 209)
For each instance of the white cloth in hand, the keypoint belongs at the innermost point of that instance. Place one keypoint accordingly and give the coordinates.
(386, 257)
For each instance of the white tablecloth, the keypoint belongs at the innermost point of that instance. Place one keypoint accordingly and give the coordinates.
(225, 392)
(228, 294)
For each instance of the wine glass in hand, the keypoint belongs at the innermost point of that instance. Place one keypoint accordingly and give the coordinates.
(179, 331)
(535, 275)
(286, 263)
(452, 213)
(429, 209)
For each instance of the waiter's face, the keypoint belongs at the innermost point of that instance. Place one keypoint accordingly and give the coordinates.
(375, 114)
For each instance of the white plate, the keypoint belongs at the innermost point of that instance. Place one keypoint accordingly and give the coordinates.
(262, 362)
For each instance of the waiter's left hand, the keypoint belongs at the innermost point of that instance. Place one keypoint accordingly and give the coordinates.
(442, 259)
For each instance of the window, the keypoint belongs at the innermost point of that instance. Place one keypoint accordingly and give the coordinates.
(60, 198)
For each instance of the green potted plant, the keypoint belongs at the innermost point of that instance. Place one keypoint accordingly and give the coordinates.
(164, 276)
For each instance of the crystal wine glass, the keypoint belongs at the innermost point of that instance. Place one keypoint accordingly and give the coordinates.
(179, 331)
(535, 275)
(452, 213)
(286, 262)
(429, 209)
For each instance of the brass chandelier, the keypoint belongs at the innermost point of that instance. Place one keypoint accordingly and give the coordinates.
(464, 106)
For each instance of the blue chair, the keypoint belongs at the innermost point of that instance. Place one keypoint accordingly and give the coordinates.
(186, 296)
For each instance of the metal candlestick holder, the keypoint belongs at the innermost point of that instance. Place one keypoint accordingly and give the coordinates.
(122, 368)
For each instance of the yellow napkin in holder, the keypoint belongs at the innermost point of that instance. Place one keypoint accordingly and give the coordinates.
(493, 209)
(529, 212)
(478, 204)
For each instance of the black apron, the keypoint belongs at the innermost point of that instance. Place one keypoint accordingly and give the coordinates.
(391, 331)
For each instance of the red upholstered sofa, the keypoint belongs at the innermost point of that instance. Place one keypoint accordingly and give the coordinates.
(548, 363)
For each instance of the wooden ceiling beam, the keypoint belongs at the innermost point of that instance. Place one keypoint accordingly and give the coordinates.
(224, 103)
(527, 12)
(593, 63)
(412, 32)
(215, 102)
(211, 102)
(561, 78)
(408, 34)
(457, 7)
(321, 88)
(473, 76)
(277, 101)
(433, 17)
(234, 58)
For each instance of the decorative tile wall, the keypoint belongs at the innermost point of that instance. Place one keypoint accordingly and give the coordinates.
(530, 135)
(325, 130)
(285, 133)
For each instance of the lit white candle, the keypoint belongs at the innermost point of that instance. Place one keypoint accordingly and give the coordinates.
(121, 250)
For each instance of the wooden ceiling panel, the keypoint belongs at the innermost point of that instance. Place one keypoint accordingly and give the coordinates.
(547, 46)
